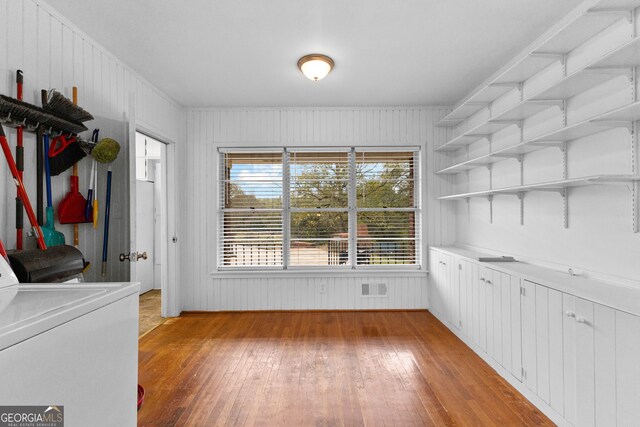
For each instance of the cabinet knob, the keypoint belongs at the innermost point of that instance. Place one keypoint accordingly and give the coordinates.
(571, 314)
(482, 279)
(489, 282)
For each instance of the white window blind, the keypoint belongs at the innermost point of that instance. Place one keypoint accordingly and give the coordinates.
(319, 201)
(387, 205)
(251, 229)
(300, 208)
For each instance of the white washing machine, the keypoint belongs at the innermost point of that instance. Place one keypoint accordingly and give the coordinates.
(70, 345)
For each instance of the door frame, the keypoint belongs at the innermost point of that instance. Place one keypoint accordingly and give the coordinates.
(168, 281)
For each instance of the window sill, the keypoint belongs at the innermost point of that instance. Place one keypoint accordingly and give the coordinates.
(378, 272)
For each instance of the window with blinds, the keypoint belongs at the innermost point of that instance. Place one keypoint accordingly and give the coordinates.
(386, 208)
(303, 208)
(251, 229)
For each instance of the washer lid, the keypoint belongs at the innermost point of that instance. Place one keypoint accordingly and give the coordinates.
(29, 309)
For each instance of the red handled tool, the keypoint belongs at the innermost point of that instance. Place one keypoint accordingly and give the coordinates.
(22, 193)
(20, 166)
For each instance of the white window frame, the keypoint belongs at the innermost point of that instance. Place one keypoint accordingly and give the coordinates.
(352, 210)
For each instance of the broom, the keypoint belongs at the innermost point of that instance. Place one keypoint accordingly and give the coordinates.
(14, 112)
(65, 155)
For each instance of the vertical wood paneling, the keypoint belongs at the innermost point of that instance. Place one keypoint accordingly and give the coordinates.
(53, 53)
(206, 129)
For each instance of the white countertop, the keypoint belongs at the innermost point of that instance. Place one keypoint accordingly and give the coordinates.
(30, 309)
(620, 297)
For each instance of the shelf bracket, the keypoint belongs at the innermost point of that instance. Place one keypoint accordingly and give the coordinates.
(635, 206)
(615, 123)
(565, 208)
(613, 71)
(542, 54)
(521, 200)
(560, 103)
(490, 199)
(634, 148)
(521, 161)
(622, 11)
(564, 160)
(559, 145)
(479, 135)
(517, 122)
(490, 169)
(506, 84)
(518, 157)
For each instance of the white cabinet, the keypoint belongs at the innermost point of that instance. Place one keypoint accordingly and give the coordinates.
(542, 353)
(444, 290)
(569, 354)
(589, 362)
(581, 359)
(468, 282)
(511, 325)
(627, 366)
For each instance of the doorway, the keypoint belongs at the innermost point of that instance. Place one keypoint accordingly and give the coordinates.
(150, 193)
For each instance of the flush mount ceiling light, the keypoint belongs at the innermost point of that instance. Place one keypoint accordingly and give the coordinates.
(315, 66)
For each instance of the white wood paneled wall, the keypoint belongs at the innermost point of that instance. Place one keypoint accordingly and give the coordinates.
(206, 129)
(599, 240)
(54, 53)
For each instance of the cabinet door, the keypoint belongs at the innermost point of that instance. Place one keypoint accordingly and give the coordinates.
(463, 284)
(475, 306)
(604, 330)
(468, 280)
(528, 304)
(569, 358)
(447, 287)
(497, 313)
(556, 376)
(542, 341)
(585, 363)
(579, 360)
(435, 273)
(489, 309)
(511, 325)
(627, 368)
(454, 291)
(482, 310)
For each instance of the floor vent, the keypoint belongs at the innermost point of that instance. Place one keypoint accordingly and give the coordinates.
(375, 290)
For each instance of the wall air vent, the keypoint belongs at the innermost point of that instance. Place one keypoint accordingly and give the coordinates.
(375, 290)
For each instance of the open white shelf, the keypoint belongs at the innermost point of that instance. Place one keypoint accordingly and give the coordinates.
(614, 118)
(548, 186)
(554, 47)
(551, 47)
(609, 66)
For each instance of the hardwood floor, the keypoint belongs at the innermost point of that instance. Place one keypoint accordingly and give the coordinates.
(320, 369)
(149, 311)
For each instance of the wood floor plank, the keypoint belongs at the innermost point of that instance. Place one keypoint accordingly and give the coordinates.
(320, 369)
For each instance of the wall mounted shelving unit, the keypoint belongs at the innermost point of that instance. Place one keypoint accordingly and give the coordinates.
(553, 47)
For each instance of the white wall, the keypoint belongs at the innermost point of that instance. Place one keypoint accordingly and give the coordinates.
(207, 129)
(599, 240)
(54, 53)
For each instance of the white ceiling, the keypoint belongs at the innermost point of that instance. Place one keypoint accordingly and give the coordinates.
(230, 53)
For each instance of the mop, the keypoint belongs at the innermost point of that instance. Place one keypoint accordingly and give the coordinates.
(106, 151)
